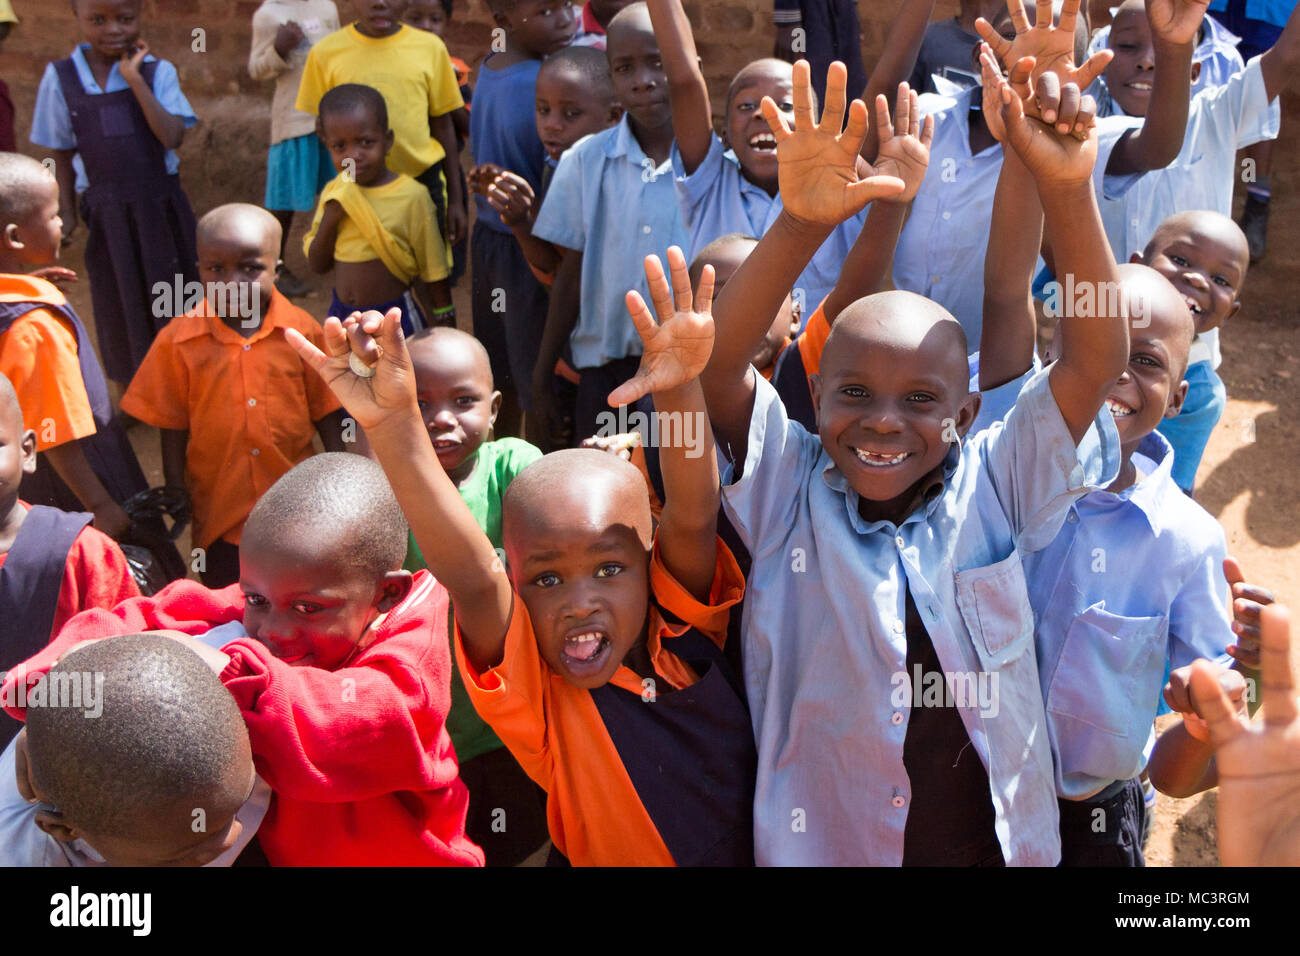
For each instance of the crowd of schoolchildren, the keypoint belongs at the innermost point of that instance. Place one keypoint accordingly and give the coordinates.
(912, 592)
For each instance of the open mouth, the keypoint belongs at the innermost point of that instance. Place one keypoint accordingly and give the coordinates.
(875, 459)
(763, 143)
(1191, 304)
(445, 444)
(585, 651)
(1139, 86)
(554, 147)
(1118, 409)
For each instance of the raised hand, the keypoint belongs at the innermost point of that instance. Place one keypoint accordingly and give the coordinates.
(904, 154)
(1176, 21)
(371, 341)
(132, 60)
(1053, 158)
(1018, 80)
(679, 346)
(1258, 764)
(819, 174)
(512, 197)
(1052, 47)
(1248, 600)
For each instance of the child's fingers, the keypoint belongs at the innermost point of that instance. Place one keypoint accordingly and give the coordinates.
(641, 317)
(1043, 14)
(307, 350)
(903, 110)
(837, 78)
(866, 190)
(1277, 686)
(1069, 14)
(884, 127)
(1020, 73)
(775, 120)
(660, 293)
(1253, 593)
(1245, 652)
(681, 279)
(1048, 92)
(1019, 19)
(704, 294)
(855, 131)
(1232, 570)
(995, 40)
(927, 131)
(1093, 67)
(1213, 705)
(803, 97)
(1069, 108)
(1247, 612)
(1086, 118)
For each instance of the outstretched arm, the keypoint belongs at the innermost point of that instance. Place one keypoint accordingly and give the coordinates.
(676, 351)
(897, 60)
(1094, 350)
(1015, 234)
(1159, 140)
(457, 551)
(687, 91)
(820, 187)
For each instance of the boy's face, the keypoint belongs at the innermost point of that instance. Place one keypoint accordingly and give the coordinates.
(17, 454)
(568, 109)
(426, 15)
(748, 134)
(540, 27)
(1152, 387)
(1207, 263)
(583, 572)
(244, 252)
(111, 27)
(892, 394)
(640, 84)
(356, 143)
(453, 386)
(307, 604)
(379, 18)
(41, 232)
(1129, 75)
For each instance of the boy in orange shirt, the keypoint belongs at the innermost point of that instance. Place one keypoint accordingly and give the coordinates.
(236, 407)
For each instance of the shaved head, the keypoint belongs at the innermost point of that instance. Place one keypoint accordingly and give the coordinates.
(240, 223)
(430, 341)
(1201, 222)
(634, 18)
(23, 184)
(571, 486)
(903, 319)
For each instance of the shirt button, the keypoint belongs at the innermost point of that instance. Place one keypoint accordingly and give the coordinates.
(252, 402)
(947, 214)
(896, 719)
(1135, 223)
(935, 278)
(898, 801)
(898, 627)
(247, 347)
(255, 452)
(899, 541)
(646, 230)
(1072, 517)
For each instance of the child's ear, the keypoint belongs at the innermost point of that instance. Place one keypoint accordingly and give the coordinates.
(1236, 307)
(1176, 399)
(815, 384)
(496, 408)
(393, 589)
(966, 413)
(389, 139)
(53, 824)
(27, 448)
(12, 236)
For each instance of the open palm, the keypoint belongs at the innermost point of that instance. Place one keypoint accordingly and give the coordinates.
(904, 145)
(1176, 21)
(1258, 764)
(1052, 47)
(1051, 157)
(819, 173)
(677, 348)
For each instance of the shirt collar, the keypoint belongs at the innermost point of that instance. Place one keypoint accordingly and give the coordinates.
(25, 288)
(83, 66)
(623, 143)
(928, 492)
(1151, 495)
(201, 322)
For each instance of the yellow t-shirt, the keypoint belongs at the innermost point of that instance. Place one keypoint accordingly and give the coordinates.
(411, 69)
(406, 212)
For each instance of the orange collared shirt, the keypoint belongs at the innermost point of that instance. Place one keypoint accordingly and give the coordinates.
(39, 355)
(249, 405)
(595, 813)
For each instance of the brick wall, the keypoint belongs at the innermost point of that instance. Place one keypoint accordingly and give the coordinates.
(223, 158)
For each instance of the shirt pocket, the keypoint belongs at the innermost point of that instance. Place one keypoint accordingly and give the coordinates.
(994, 603)
(1109, 673)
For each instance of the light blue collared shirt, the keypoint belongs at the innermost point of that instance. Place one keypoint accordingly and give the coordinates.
(52, 124)
(717, 200)
(942, 247)
(609, 200)
(1132, 584)
(825, 644)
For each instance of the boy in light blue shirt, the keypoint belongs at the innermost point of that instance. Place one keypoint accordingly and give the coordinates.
(610, 204)
(1133, 580)
(888, 642)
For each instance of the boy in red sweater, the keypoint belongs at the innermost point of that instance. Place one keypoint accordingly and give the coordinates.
(343, 676)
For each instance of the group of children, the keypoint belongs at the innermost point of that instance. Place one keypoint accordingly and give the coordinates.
(863, 595)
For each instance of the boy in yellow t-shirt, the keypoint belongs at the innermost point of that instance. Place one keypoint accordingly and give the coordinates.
(375, 228)
(412, 71)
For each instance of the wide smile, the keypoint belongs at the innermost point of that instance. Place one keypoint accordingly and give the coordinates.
(1193, 305)
(763, 143)
(881, 459)
(1118, 409)
(1139, 86)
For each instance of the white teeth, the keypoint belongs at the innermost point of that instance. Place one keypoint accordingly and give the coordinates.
(583, 638)
(763, 142)
(879, 461)
(1191, 304)
(1140, 86)
(1117, 410)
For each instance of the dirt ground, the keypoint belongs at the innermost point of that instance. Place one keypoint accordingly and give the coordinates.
(1249, 478)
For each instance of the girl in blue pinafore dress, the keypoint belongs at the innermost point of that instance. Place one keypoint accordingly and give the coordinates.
(141, 225)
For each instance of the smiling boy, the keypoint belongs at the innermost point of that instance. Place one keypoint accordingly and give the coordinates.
(884, 542)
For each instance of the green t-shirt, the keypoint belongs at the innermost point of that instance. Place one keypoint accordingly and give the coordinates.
(496, 466)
